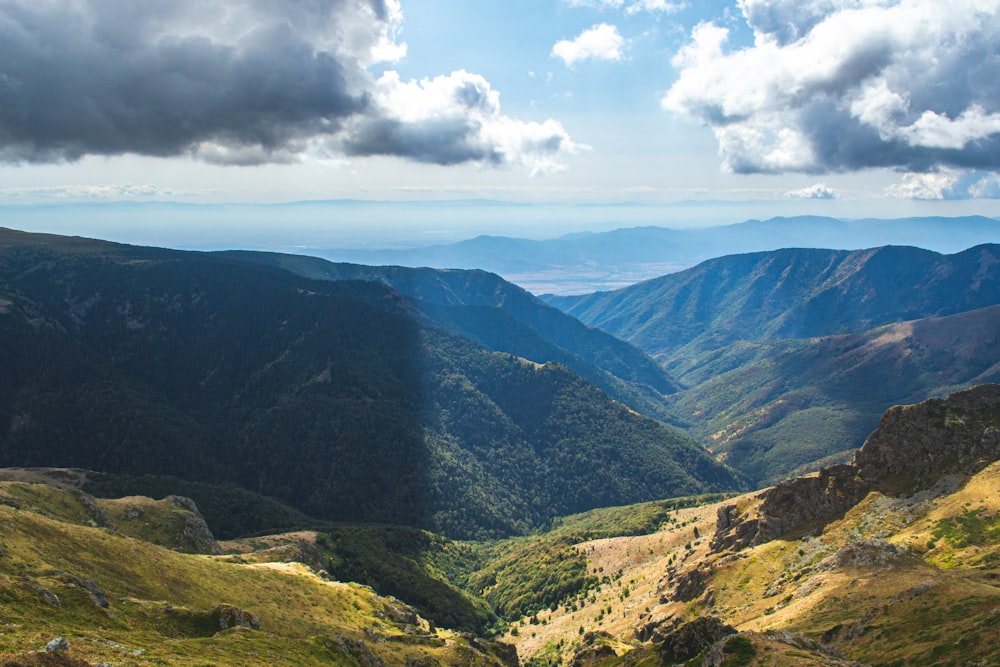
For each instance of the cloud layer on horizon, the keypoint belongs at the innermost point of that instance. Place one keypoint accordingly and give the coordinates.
(844, 85)
(240, 82)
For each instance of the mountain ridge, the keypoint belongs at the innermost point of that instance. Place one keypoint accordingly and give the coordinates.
(789, 357)
(790, 293)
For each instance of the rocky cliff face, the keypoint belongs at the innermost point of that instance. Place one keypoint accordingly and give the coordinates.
(916, 445)
(913, 447)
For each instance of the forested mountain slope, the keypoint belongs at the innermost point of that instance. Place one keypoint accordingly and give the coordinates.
(485, 308)
(788, 357)
(791, 293)
(332, 396)
(783, 407)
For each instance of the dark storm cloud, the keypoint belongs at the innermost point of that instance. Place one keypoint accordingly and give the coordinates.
(229, 81)
(106, 82)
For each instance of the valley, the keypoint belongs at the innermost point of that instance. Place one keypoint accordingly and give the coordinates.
(878, 574)
(240, 458)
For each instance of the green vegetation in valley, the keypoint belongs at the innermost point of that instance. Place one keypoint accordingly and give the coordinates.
(527, 575)
(422, 568)
(639, 519)
(524, 575)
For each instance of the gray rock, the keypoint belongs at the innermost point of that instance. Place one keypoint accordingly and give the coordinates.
(354, 649)
(57, 645)
(47, 595)
(196, 537)
(919, 444)
(234, 617)
(681, 642)
(94, 590)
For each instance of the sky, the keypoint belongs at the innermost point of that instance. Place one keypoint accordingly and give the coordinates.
(584, 113)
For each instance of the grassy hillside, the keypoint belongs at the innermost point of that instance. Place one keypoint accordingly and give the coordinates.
(125, 601)
(896, 579)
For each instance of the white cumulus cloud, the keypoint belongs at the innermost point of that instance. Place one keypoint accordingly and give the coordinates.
(986, 187)
(602, 42)
(840, 85)
(929, 186)
(816, 191)
(453, 119)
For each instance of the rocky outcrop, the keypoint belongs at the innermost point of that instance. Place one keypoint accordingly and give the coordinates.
(94, 591)
(195, 537)
(914, 447)
(98, 516)
(680, 642)
(355, 650)
(234, 617)
(864, 553)
(796, 502)
(791, 504)
(595, 650)
(690, 584)
(57, 645)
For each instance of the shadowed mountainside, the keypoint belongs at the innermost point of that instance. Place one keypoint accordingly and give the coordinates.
(503, 317)
(331, 396)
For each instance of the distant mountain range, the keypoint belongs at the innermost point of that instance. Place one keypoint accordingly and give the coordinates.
(582, 263)
(788, 357)
(347, 399)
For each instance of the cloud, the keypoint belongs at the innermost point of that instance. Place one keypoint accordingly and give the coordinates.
(634, 7)
(236, 82)
(817, 191)
(115, 192)
(665, 6)
(841, 85)
(602, 42)
(947, 184)
(986, 187)
(452, 119)
(927, 186)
